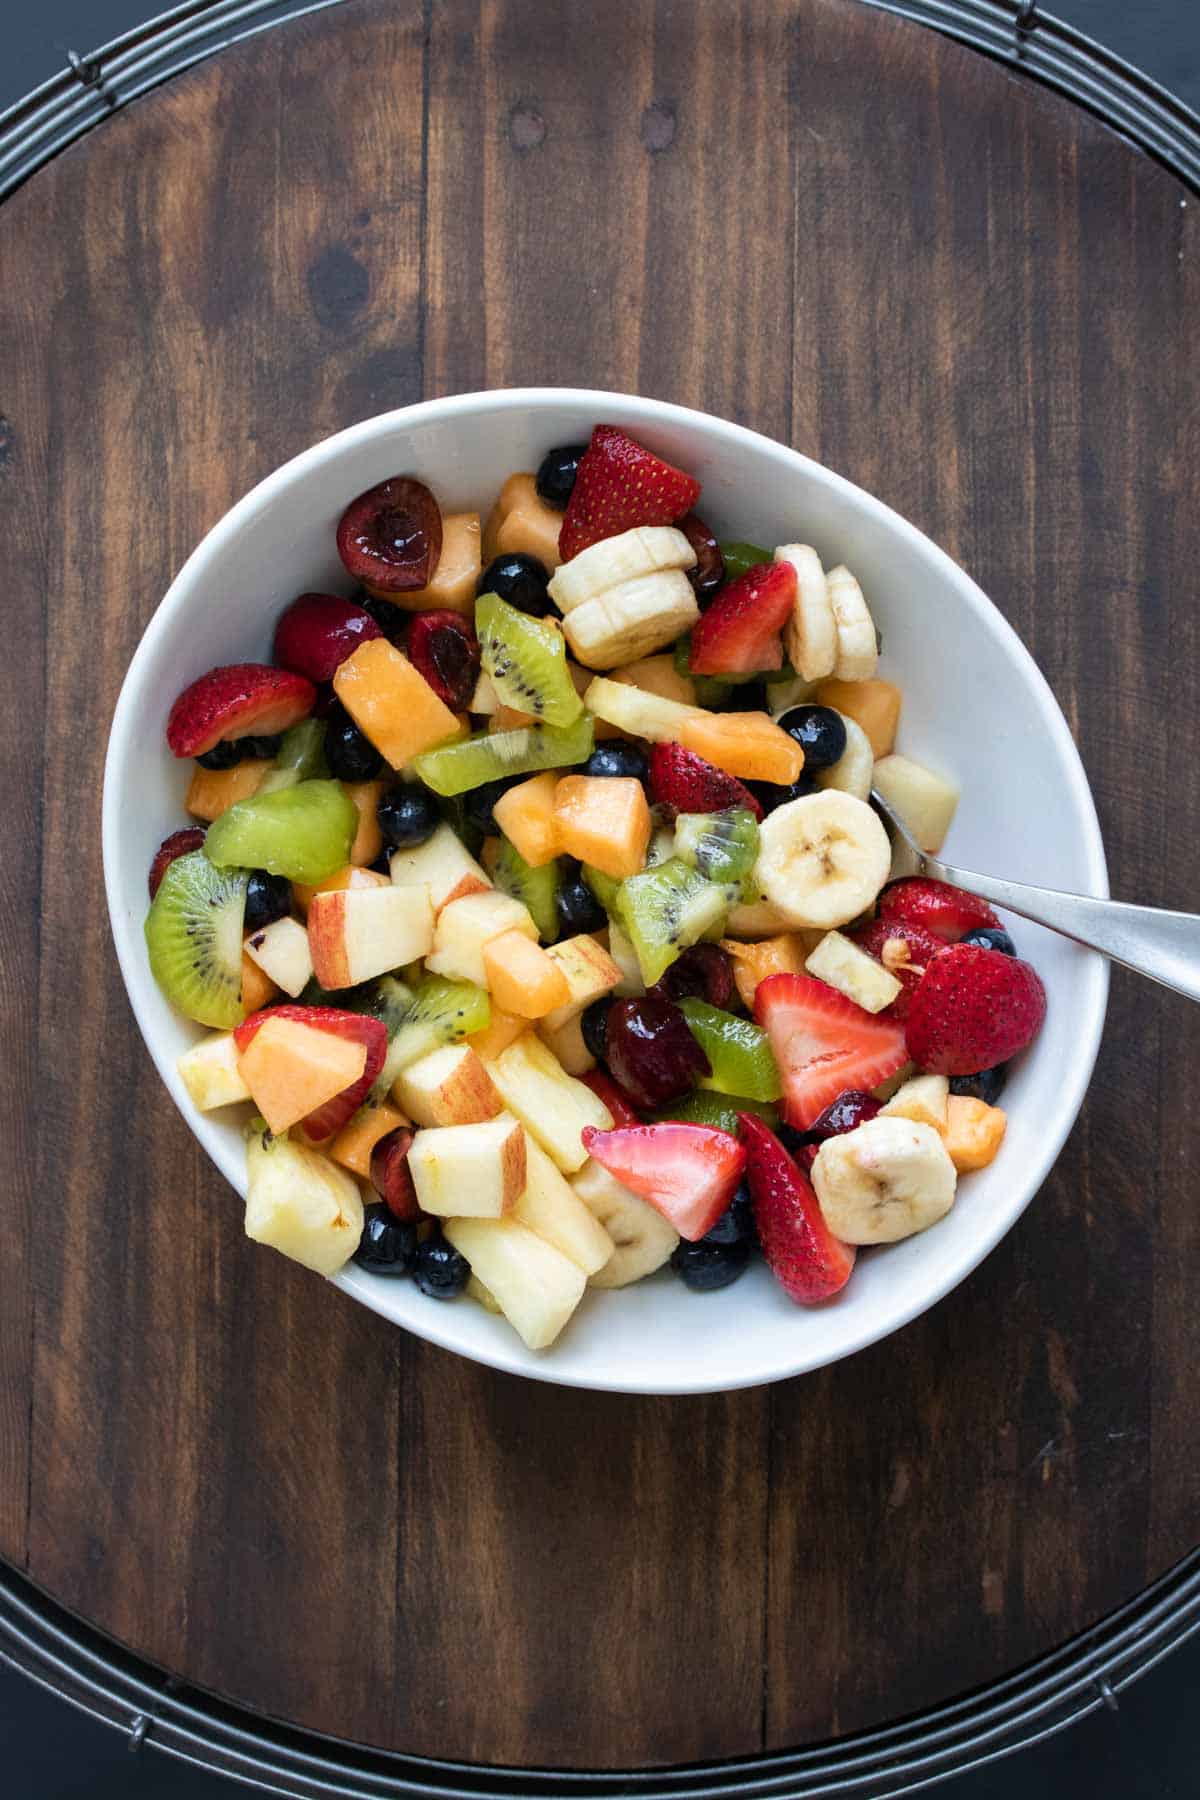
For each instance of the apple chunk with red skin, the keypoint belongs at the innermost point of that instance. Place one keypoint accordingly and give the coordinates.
(357, 933)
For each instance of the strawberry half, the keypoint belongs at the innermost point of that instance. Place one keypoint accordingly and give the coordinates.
(178, 844)
(683, 782)
(688, 1173)
(619, 485)
(358, 1027)
(823, 1044)
(240, 700)
(973, 1008)
(606, 1089)
(807, 1261)
(739, 634)
(948, 912)
(905, 952)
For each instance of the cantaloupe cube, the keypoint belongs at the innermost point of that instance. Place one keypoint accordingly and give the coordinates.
(749, 745)
(525, 814)
(466, 925)
(291, 1069)
(519, 488)
(521, 978)
(210, 1073)
(925, 801)
(657, 675)
(347, 877)
(280, 951)
(393, 703)
(973, 1132)
(213, 791)
(444, 865)
(258, 990)
(354, 1143)
(368, 839)
(875, 705)
(604, 821)
(752, 963)
(531, 529)
(503, 1030)
(452, 586)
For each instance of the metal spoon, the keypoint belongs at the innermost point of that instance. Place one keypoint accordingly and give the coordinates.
(1150, 941)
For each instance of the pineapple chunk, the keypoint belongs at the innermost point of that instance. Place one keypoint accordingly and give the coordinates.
(354, 1143)
(925, 801)
(638, 712)
(973, 1132)
(450, 1086)
(521, 978)
(551, 1208)
(568, 1046)
(590, 974)
(469, 1171)
(605, 821)
(291, 1069)
(924, 1099)
(301, 1204)
(466, 925)
(525, 814)
(444, 865)
(536, 1287)
(551, 1104)
(844, 966)
(392, 702)
(209, 1071)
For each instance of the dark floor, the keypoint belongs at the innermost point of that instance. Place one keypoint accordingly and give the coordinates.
(1149, 1749)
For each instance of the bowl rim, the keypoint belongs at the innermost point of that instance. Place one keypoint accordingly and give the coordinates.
(634, 410)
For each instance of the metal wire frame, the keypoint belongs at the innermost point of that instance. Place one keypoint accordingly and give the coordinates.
(115, 1687)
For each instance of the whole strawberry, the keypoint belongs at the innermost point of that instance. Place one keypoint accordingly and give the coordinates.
(807, 1261)
(973, 1008)
(621, 484)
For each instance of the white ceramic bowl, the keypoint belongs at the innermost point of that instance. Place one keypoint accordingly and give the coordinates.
(975, 705)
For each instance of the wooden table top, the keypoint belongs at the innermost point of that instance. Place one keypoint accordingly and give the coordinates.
(954, 288)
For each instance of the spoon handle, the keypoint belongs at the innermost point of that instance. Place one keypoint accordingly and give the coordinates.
(1163, 945)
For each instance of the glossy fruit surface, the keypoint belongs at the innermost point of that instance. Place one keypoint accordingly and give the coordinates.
(948, 912)
(617, 758)
(987, 1085)
(650, 1052)
(808, 1262)
(578, 908)
(848, 1111)
(439, 1270)
(478, 804)
(390, 1174)
(620, 484)
(703, 971)
(708, 1265)
(905, 951)
(317, 632)
(709, 573)
(232, 751)
(408, 815)
(681, 781)
(388, 1245)
(991, 937)
(303, 832)
(820, 733)
(519, 581)
(349, 752)
(178, 844)
(593, 1024)
(357, 1028)
(194, 938)
(556, 474)
(972, 1009)
(268, 897)
(739, 633)
(444, 648)
(739, 557)
(234, 701)
(824, 1044)
(739, 1052)
(770, 794)
(391, 536)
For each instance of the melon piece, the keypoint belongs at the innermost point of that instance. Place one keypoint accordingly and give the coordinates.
(466, 926)
(209, 1071)
(973, 1132)
(658, 675)
(752, 963)
(550, 1207)
(521, 978)
(534, 1285)
(258, 990)
(362, 932)
(874, 704)
(520, 487)
(566, 1043)
(503, 1030)
(368, 839)
(452, 585)
(925, 801)
(213, 791)
(590, 974)
(281, 952)
(291, 1069)
(392, 702)
(531, 528)
(444, 865)
(749, 745)
(346, 877)
(354, 1143)
(469, 1171)
(604, 821)
(449, 1086)
(525, 814)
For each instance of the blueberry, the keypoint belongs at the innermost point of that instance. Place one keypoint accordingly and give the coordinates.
(578, 908)
(991, 937)
(440, 1270)
(791, 1139)
(556, 474)
(388, 1245)
(268, 897)
(706, 1266)
(349, 752)
(736, 1224)
(391, 619)
(820, 733)
(771, 794)
(478, 803)
(225, 755)
(518, 579)
(617, 759)
(408, 815)
(988, 1085)
(594, 1025)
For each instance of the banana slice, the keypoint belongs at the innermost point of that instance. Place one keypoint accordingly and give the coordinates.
(822, 859)
(885, 1180)
(643, 1239)
(854, 771)
(632, 619)
(642, 551)
(810, 635)
(857, 644)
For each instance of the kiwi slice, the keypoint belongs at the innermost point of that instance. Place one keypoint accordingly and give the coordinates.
(664, 910)
(440, 1012)
(526, 659)
(740, 557)
(300, 757)
(703, 1108)
(605, 887)
(194, 939)
(535, 888)
(723, 846)
(739, 1055)
(303, 833)
(458, 767)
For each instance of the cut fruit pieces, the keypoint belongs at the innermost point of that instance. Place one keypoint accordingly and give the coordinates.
(534, 1285)
(638, 711)
(925, 1099)
(823, 1044)
(292, 1069)
(883, 1181)
(452, 584)
(368, 839)
(489, 755)
(212, 792)
(857, 643)
(642, 1239)
(469, 1171)
(631, 620)
(973, 1132)
(644, 550)
(356, 1140)
(823, 859)
(551, 1104)
(392, 703)
(521, 977)
(666, 909)
(301, 1204)
(466, 925)
(688, 1173)
(603, 821)
(810, 636)
(444, 865)
(749, 745)
(703, 1106)
(359, 933)
(874, 705)
(620, 484)
(658, 675)
(536, 889)
(739, 1053)
(281, 951)
(300, 757)
(303, 832)
(518, 488)
(739, 633)
(440, 1012)
(526, 659)
(194, 939)
(566, 1043)
(449, 1086)
(852, 773)
(722, 845)
(925, 801)
(590, 973)
(842, 965)
(209, 1071)
(525, 814)
(807, 1260)
(551, 1208)
(530, 528)
(258, 990)
(236, 701)
(752, 919)
(752, 963)
(503, 1030)
(348, 877)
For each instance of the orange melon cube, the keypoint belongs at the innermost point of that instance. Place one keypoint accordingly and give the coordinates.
(509, 718)
(532, 529)
(349, 877)
(657, 675)
(354, 1143)
(258, 990)
(752, 963)
(291, 1069)
(521, 978)
(973, 1133)
(525, 814)
(875, 705)
(519, 487)
(748, 745)
(392, 702)
(604, 821)
(452, 585)
(503, 1030)
(368, 839)
(213, 791)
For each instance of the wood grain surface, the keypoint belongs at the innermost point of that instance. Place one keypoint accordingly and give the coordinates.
(955, 289)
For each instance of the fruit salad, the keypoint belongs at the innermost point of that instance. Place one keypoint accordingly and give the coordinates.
(540, 922)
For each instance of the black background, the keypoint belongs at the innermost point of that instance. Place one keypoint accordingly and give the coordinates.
(1147, 1749)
